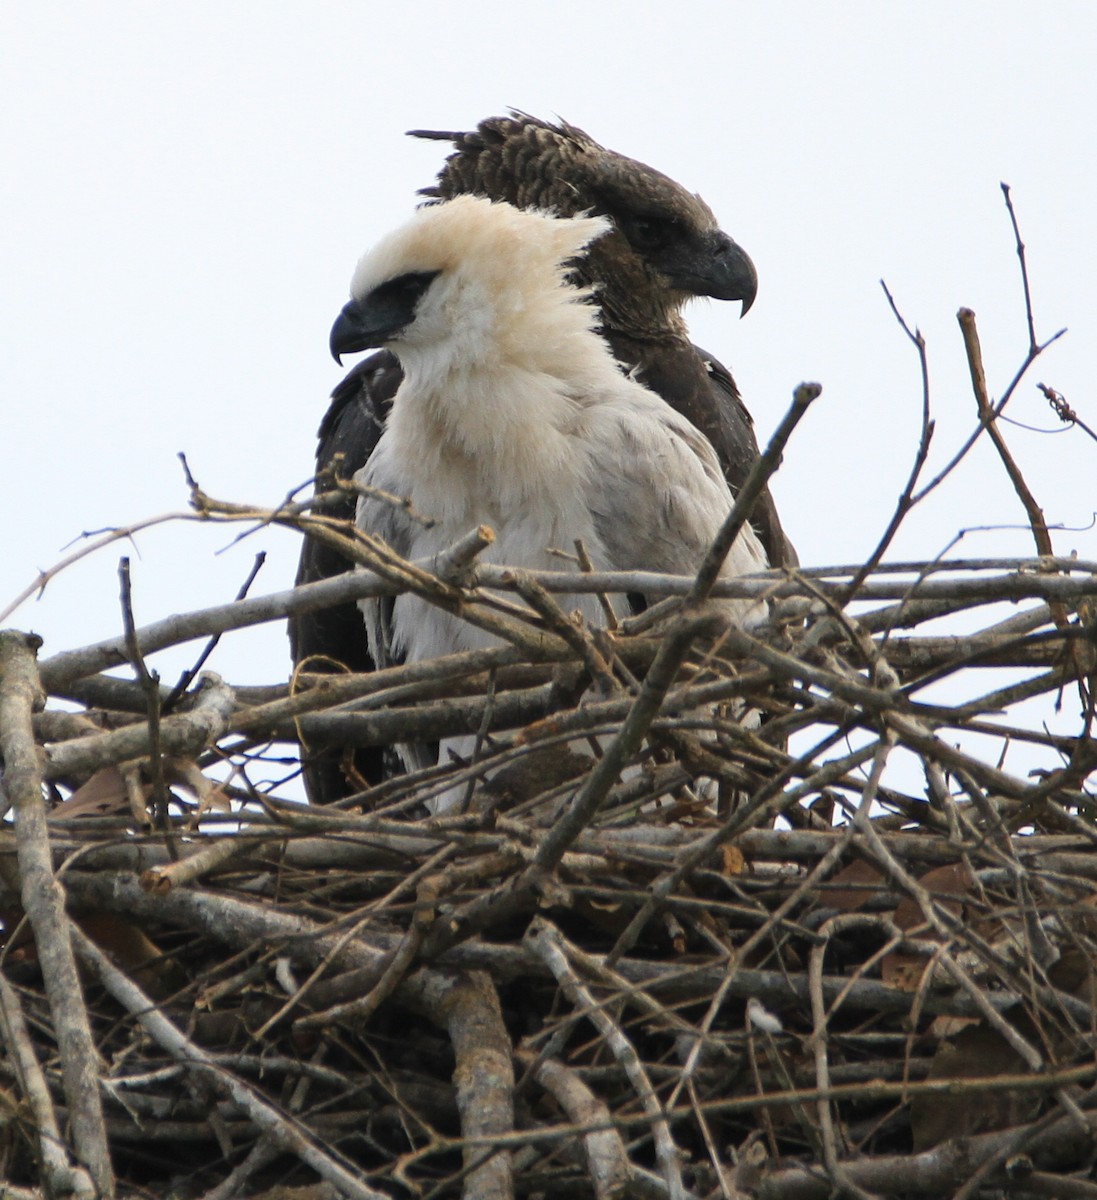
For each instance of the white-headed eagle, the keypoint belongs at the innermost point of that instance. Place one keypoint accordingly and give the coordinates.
(513, 412)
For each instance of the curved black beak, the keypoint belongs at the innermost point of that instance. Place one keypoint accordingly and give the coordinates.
(359, 327)
(715, 266)
(735, 273)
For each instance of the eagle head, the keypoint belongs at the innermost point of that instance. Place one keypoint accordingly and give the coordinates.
(665, 246)
(459, 282)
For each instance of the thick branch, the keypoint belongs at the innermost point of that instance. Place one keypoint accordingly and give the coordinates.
(44, 903)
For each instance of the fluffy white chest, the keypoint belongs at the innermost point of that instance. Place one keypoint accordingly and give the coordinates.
(530, 519)
(507, 452)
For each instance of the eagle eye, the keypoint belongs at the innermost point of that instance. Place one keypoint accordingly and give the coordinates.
(647, 234)
(405, 291)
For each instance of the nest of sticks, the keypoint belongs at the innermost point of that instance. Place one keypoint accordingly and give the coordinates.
(849, 951)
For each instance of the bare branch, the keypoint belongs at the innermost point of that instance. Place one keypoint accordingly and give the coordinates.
(43, 901)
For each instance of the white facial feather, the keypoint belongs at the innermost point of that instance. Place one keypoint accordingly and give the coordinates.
(500, 291)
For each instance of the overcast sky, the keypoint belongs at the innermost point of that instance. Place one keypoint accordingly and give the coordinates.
(187, 187)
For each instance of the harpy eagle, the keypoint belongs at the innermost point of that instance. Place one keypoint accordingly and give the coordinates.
(513, 412)
(665, 247)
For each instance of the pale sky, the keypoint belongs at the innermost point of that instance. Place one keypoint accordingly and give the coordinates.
(187, 188)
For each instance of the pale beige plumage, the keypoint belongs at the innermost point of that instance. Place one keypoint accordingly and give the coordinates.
(514, 413)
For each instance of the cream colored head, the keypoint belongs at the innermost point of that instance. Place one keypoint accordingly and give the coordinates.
(469, 282)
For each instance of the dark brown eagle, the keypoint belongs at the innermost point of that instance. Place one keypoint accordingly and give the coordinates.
(665, 247)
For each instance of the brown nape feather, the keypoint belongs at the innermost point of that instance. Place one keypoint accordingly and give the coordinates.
(519, 159)
(632, 296)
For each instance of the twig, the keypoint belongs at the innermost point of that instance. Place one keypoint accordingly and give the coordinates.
(987, 414)
(61, 670)
(1033, 348)
(359, 1011)
(931, 1173)
(150, 685)
(107, 539)
(906, 499)
(183, 734)
(209, 858)
(607, 1160)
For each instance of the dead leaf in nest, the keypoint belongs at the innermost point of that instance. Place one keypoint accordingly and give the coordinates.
(851, 887)
(949, 1027)
(948, 885)
(102, 795)
(133, 950)
(1076, 974)
(733, 861)
(974, 1053)
(1085, 914)
(903, 971)
(127, 945)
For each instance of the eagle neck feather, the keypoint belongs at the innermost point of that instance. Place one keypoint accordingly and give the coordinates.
(492, 435)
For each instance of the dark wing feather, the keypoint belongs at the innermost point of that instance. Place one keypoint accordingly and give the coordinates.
(350, 429)
(731, 444)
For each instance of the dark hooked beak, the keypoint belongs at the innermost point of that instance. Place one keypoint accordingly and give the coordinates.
(362, 327)
(716, 267)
